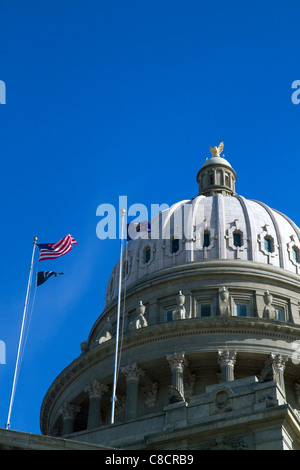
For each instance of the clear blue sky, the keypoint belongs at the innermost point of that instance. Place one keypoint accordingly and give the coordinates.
(124, 97)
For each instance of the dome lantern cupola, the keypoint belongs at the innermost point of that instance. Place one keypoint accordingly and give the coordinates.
(216, 175)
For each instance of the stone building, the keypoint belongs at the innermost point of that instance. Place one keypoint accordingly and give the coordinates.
(209, 337)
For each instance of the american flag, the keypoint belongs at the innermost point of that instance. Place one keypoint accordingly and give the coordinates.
(55, 250)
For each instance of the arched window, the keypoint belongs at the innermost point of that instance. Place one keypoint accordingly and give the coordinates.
(237, 239)
(206, 239)
(147, 255)
(268, 244)
(295, 254)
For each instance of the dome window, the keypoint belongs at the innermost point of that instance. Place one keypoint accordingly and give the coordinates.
(295, 254)
(268, 244)
(147, 255)
(174, 245)
(206, 239)
(237, 239)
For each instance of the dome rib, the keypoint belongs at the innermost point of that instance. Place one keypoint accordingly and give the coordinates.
(250, 224)
(277, 231)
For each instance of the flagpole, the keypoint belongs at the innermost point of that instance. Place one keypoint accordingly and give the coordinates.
(7, 426)
(114, 398)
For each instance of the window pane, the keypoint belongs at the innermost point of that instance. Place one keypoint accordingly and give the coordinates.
(204, 310)
(168, 315)
(241, 310)
(237, 239)
(280, 314)
(268, 245)
(147, 255)
(295, 255)
(206, 239)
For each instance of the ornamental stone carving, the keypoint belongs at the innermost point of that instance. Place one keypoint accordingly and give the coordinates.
(279, 361)
(84, 347)
(139, 320)
(150, 394)
(274, 369)
(189, 384)
(179, 313)
(226, 360)
(216, 151)
(224, 443)
(221, 400)
(224, 303)
(106, 333)
(175, 395)
(96, 389)
(177, 360)
(69, 411)
(269, 311)
(132, 371)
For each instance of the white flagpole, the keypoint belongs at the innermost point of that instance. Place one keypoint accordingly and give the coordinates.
(7, 426)
(118, 322)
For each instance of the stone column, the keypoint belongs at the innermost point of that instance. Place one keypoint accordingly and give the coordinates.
(226, 360)
(279, 361)
(132, 373)
(177, 362)
(69, 412)
(95, 391)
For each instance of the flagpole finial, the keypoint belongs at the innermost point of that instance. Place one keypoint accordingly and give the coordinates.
(123, 211)
(35, 239)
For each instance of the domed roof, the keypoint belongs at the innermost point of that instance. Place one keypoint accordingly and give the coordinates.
(215, 225)
(216, 161)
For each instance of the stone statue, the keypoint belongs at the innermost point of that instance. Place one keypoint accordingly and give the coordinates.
(106, 333)
(224, 303)
(269, 311)
(179, 313)
(216, 151)
(139, 320)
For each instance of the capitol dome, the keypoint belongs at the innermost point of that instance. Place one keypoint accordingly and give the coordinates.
(218, 224)
(209, 332)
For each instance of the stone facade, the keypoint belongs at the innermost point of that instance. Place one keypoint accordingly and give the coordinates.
(211, 334)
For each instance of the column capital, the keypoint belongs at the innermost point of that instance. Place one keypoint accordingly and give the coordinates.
(177, 360)
(279, 360)
(69, 411)
(95, 389)
(226, 357)
(132, 371)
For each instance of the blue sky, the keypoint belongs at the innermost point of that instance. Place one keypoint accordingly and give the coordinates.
(124, 97)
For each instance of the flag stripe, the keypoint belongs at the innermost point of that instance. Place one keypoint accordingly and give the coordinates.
(55, 250)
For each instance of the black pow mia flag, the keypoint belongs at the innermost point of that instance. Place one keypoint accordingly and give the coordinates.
(43, 276)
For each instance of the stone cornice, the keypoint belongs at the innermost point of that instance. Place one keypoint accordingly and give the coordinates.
(234, 326)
